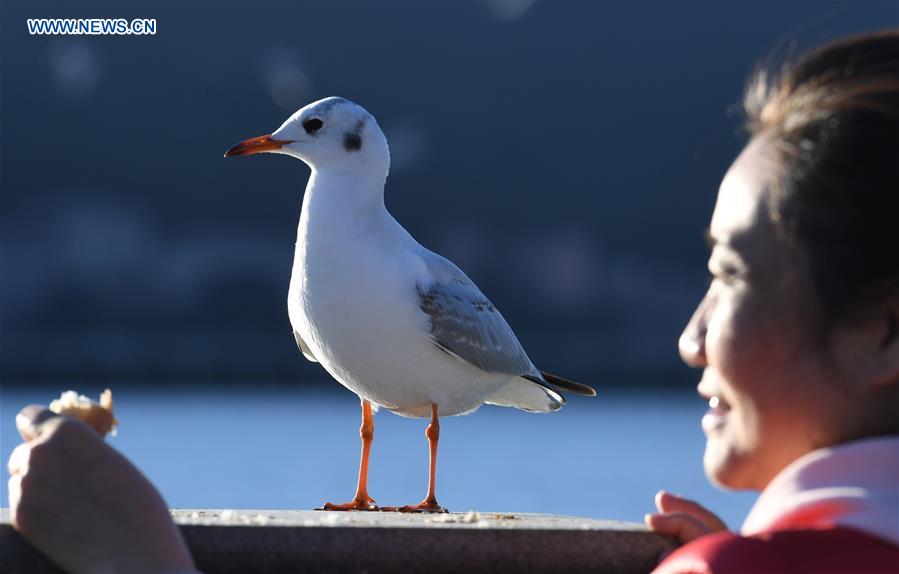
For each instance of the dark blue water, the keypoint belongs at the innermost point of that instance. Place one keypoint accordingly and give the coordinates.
(296, 446)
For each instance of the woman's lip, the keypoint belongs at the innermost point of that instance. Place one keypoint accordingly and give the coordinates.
(716, 403)
(713, 421)
(716, 417)
(706, 388)
(709, 389)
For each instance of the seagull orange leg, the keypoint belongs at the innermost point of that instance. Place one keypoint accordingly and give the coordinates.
(362, 501)
(429, 504)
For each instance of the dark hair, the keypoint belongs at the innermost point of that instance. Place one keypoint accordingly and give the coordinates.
(833, 119)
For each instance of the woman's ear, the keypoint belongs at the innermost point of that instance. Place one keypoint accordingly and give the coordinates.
(885, 366)
(866, 347)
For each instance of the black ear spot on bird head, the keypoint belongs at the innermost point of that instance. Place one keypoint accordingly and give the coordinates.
(352, 141)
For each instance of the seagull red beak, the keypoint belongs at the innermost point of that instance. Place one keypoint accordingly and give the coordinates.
(256, 145)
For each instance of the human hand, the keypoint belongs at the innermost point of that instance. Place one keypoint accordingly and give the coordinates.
(682, 519)
(82, 504)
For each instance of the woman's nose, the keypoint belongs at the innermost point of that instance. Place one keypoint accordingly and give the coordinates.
(692, 341)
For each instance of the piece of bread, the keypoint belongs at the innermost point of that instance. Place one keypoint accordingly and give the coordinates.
(98, 416)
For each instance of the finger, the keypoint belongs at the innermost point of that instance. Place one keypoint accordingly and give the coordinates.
(18, 460)
(678, 525)
(669, 503)
(30, 419)
(15, 494)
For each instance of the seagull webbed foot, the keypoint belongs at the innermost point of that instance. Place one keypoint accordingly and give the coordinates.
(427, 505)
(361, 504)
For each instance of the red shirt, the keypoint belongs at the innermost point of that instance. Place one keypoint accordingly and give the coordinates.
(829, 551)
(831, 511)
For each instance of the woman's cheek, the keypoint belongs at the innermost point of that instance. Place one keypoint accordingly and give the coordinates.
(723, 335)
(737, 334)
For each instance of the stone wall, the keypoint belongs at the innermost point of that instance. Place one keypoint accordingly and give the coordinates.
(275, 541)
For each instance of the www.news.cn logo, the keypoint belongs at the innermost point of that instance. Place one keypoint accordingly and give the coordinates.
(91, 26)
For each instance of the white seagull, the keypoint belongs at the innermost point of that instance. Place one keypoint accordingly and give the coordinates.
(400, 326)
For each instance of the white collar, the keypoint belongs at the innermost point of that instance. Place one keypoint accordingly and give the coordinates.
(852, 485)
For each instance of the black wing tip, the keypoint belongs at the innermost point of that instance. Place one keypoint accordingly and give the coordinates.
(567, 385)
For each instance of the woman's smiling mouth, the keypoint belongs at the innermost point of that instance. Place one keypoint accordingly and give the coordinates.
(716, 417)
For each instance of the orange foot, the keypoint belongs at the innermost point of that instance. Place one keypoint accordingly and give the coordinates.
(423, 506)
(363, 504)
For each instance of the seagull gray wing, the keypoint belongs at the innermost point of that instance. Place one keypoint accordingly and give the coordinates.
(304, 348)
(465, 324)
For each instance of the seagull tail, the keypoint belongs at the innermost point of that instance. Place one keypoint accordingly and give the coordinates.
(523, 394)
(567, 385)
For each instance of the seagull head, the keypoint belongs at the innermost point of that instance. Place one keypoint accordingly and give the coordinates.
(330, 133)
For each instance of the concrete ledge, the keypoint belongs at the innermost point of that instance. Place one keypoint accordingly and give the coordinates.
(275, 541)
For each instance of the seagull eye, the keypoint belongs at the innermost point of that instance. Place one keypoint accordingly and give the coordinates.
(312, 125)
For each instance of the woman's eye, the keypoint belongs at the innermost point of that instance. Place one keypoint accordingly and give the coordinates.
(724, 273)
(730, 271)
(312, 125)
(723, 270)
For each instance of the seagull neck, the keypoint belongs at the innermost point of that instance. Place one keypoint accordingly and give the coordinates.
(343, 192)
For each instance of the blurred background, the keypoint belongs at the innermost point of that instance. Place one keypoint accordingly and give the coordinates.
(565, 154)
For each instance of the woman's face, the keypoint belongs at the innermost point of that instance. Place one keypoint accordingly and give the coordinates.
(765, 373)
